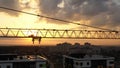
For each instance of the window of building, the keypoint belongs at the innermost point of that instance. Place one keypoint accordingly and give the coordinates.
(40, 65)
(32, 66)
(88, 63)
(0, 66)
(81, 64)
(8, 66)
(76, 63)
(111, 62)
(100, 66)
(111, 67)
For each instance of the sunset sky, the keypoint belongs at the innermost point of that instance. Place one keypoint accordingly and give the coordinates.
(99, 13)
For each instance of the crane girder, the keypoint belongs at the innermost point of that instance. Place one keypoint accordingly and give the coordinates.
(58, 33)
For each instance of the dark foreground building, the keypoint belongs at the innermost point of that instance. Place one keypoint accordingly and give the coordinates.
(27, 61)
(87, 61)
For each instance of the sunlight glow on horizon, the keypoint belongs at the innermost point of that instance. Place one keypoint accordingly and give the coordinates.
(49, 42)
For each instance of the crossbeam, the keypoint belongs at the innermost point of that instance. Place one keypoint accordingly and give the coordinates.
(57, 33)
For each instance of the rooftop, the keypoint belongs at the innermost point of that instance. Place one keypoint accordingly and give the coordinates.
(19, 58)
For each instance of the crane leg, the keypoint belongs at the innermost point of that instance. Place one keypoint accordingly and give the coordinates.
(39, 40)
(33, 40)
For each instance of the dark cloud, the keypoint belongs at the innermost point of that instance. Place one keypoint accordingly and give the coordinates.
(73, 3)
(99, 12)
(49, 7)
(14, 4)
(109, 18)
(99, 20)
(73, 9)
(115, 16)
(94, 7)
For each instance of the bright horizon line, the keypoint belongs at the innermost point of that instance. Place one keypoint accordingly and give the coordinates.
(49, 45)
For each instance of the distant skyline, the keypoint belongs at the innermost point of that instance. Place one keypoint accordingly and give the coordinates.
(99, 13)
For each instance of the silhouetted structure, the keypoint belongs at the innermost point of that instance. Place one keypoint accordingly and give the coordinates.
(87, 61)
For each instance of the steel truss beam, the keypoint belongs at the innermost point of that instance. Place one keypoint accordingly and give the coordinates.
(55, 33)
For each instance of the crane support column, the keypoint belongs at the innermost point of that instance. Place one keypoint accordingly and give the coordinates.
(36, 38)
